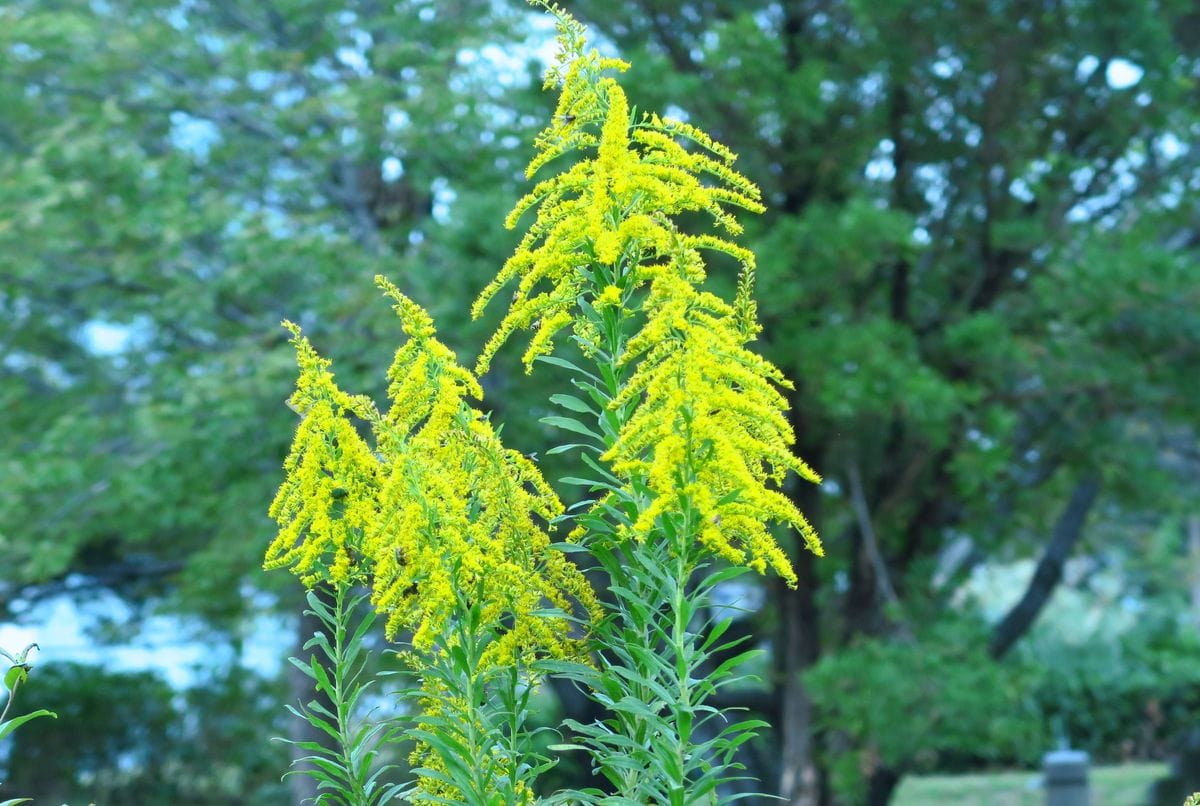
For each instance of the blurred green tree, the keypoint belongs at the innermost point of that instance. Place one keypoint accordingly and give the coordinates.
(177, 179)
(127, 737)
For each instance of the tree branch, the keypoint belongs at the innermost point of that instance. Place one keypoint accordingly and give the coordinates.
(883, 579)
(1046, 577)
(76, 581)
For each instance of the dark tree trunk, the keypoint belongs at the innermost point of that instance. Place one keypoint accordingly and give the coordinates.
(881, 786)
(1046, 577)
(800, 780)
(860, 603)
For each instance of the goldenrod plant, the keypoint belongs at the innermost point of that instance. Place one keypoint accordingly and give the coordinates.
(446, 527)
(683, 443)
(19, 666)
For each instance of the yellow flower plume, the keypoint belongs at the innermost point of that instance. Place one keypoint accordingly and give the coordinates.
(710, 430)
(458, 509)
(605, 228)
(327, 497)
(614, 207)
(438, 506)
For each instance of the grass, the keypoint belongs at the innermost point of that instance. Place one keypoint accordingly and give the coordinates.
(1124, 785)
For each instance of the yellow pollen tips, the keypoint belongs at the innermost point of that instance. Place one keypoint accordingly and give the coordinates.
(609, 297)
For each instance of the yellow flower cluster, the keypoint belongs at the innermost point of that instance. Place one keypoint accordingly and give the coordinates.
(332, 477)
(708, 432)
(610, 211)
(439, 506)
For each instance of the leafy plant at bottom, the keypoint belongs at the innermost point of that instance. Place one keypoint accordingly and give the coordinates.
(473, 744)
(14, 678)
(345, 769)
(663, 741)
(973, 710)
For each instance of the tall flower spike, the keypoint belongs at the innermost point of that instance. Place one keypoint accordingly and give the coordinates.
(439, 502)
(605, 228)
(614, 208)
(711, 405)
(327, 497)
(458, 509)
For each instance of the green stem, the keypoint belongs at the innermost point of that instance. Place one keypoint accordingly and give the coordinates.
(472, 733)
(340, 684)
(636, 727)
(671, 623)
(514, 724)
(614, 339)
(12, 695)
(679, 639)
(474, 694)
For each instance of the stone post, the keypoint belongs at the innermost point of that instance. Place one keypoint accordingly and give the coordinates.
(1066, 778)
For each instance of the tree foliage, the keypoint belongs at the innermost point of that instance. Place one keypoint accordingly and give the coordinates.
(176, 180)
(127, 737)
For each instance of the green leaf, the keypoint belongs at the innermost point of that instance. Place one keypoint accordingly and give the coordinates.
(591, 484)
(570, 669)
(573, 404)
(16, 722)
(557, 449)
(603, 471)
(731, 663)
(567, 424)
(569, 548)
(15, 676)
(715, 633)
(301, 665)
(562, 362)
